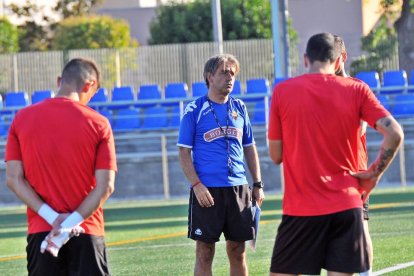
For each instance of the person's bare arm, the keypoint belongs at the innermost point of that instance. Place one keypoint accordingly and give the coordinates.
(17, 182)
(393, 136)
(252, 160)
(276, 151)
(201, 192)
(105, 186)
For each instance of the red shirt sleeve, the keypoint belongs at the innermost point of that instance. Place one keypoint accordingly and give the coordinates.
(275, 126)
(371, 109)
(13, 151)
(106, 157)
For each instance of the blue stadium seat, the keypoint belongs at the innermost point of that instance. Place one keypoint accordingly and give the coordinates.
(127, 119)
(396, 79)
(371, 78)
(101, 96)
(40, 95)
(155, 118)
(236, 88)
(278, 80)
(259, 113)
(199, 89)
(108, 114)
(411, 82)
(385, 101)
(403, 105)
(175, 90)
(122, 94)
(148, 92)
(16, 99)
(174, 118)
(4, 126)
(256, 86)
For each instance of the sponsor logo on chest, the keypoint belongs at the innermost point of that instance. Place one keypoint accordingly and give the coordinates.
(216, 133)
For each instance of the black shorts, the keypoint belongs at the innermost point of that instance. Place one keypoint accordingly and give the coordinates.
(83, 255)
(365, 207)
(335, 242)
(231, 214)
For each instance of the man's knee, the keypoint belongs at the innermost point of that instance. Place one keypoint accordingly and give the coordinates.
(236, 250)
(205, 252)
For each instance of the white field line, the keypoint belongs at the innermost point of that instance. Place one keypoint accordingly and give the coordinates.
(392, 268)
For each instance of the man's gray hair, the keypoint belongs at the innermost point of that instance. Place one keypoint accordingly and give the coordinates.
(215, 61)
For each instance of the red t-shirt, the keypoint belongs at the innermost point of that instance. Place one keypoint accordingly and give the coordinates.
(61, 143)
(317, 117)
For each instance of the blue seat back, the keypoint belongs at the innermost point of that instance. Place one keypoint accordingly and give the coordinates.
(175, 90)
(41, 95)
(155, 117)
(199, 89)
(148, 92)
(16, 99)
(403, 105)
(127, 119)
(236, 88)
(385, 101)
(108, 114)
(394, 78)
(124, 94)
(257, 86)
(411, 81)
(259, 113)
(371, 78)
(101, 96)
(174, 117)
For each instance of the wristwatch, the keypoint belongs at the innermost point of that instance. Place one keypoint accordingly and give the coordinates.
(258, 184)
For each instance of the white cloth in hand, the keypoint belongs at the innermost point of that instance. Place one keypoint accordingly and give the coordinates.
(52, 244)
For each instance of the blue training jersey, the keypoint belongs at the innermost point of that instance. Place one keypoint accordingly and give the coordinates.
(200, 131)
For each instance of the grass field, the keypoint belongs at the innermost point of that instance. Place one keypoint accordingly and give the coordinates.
(149, 237)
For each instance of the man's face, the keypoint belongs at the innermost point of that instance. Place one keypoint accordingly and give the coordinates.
(222, 80)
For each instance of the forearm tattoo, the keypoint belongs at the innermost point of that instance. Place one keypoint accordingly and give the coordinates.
(385, 157)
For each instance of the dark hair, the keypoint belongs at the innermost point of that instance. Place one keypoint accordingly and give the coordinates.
(341, 43)
(215, 61)
(79, 70)
(322, 47)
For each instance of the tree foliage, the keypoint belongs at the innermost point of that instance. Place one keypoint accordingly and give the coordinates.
(386, 39)
(9, 37)
(37, 29)
(192, 22)
(92, 32)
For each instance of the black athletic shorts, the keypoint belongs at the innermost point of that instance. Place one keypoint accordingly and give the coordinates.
(365, 207)
(335, 242)
(83, 255)
(231, 214)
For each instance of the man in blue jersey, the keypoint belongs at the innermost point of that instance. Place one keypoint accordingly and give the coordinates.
(215, 138)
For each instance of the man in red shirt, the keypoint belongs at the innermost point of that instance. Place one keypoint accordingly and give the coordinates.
(362, 154)
(61, 163)
(314, 129)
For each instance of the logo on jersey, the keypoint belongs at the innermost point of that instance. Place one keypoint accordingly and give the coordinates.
(216, 133)
(234, 114)
(190, 107)
(198, 232)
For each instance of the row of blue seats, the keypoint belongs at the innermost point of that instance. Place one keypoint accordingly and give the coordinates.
(150, 118)
(146, 92)
(393, 82)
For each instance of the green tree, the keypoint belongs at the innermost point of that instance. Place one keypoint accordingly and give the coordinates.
(9, 37)
(36, 31)
(92, 32)
(392, 35)
(192, 22)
